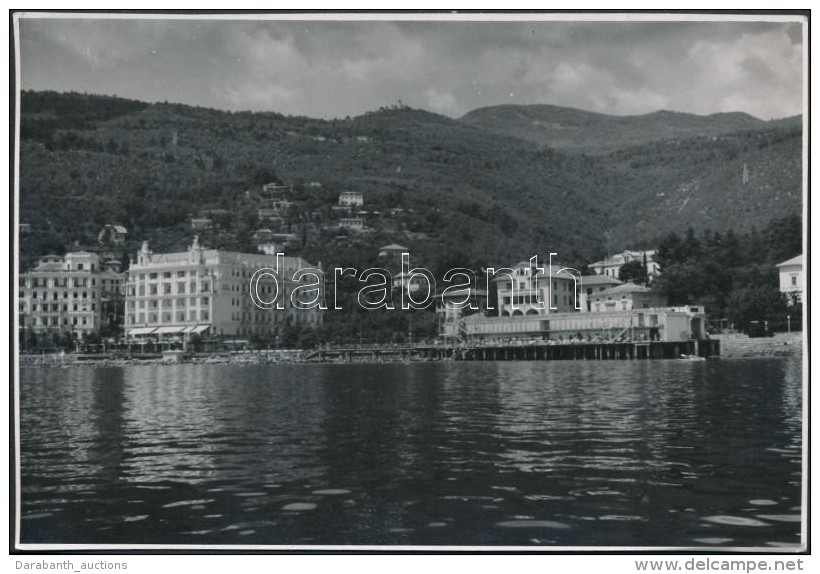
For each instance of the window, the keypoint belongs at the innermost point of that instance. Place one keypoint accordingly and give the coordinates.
(181, 302)
(181, 287)
(205, 287)
(204, 301)
(794, 280)
(166, 288)
(80, 266)
(180, 273)
(152, 276)
(166, 275)
(204, 315)
(34, 294)
(141, 290)
(152, 290)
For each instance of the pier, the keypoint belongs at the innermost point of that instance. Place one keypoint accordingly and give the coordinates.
(586, 351)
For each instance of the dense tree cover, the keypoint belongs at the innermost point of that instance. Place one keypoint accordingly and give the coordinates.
(633, 272)
(733, 275)
(153, 168)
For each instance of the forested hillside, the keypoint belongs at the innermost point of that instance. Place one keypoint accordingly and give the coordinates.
(456, 191)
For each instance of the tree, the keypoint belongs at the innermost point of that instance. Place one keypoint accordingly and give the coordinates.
(633, 272)
(125, 261)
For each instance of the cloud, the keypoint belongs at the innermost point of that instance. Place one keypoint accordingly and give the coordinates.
(334, 69)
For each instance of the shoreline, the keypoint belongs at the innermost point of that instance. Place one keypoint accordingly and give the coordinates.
(732, 346)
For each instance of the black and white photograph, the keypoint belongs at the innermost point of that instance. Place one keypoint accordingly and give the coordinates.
(410, 282)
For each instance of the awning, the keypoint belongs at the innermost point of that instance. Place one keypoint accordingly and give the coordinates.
(200, 328)
(189, 329)
(140, 331)
(168, 330)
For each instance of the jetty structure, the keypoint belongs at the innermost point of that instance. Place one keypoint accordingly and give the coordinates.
(535, 317)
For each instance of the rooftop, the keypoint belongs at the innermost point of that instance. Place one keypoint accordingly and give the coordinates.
(625, 288)
(590, 280)
(796, 260)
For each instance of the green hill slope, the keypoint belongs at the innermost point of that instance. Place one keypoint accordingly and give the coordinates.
(456, 191)
(588, 132)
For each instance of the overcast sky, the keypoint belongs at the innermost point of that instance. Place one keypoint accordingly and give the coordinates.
(336, 69)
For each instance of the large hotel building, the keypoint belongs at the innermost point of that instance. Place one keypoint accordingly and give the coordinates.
(75, 293)
(207, 291)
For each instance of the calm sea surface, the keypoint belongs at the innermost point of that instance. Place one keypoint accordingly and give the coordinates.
(514, 453)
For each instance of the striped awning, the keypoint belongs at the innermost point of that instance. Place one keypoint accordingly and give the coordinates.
(169, 330)
(140, 331)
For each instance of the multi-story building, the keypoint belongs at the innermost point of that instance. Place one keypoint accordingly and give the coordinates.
(70, 294)
(791, 278)
(529, 290)
(611, 266)
(351, 199)
(650, 324)
(208, 291)
(354, 223)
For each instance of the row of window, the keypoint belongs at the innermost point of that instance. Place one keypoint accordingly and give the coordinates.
(179, 274)
(54, 307)
(55, 321)
(167, 289)
(529, 299)
(55, 296)
(168, 317)
(168, 303)
(45, 282)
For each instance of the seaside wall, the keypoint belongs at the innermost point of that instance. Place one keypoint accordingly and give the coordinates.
(739, 345)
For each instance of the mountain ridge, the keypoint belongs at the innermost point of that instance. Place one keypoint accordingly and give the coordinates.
(597, 133)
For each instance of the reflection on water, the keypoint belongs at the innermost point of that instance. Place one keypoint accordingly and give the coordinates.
(517, 453)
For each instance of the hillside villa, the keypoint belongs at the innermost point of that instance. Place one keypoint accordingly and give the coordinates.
(791, 278)
(611, 266)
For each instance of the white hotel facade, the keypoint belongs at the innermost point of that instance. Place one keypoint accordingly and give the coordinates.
(207, 292)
